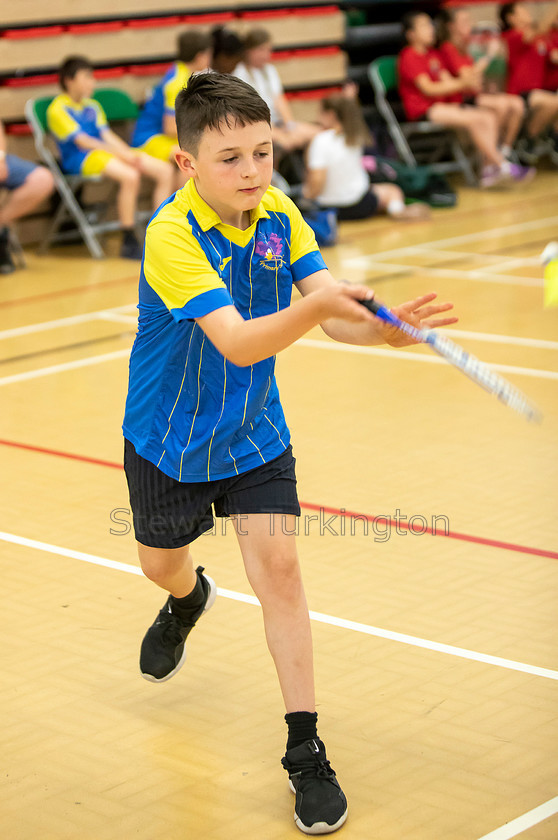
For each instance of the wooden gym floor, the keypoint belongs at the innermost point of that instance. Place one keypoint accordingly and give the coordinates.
(436, 656)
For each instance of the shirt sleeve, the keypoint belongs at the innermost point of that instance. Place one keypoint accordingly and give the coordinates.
(61, 124)
(318, 153)
(178, 271)
(171, 89)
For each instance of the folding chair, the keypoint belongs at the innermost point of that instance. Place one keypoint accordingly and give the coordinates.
(118, 107)
(383, 77)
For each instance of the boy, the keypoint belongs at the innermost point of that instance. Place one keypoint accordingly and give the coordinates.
(204, 424)
(28, 184)
(528, 48)
(429, 91)
(88, 147)
(155, 131)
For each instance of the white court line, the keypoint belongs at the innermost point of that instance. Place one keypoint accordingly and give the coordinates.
(495, 338)
(366, 629)
(550, 221)
(303, 342)
(521, 824)
(477, 274)
(79, 363)
(71, 320)
(414, 357)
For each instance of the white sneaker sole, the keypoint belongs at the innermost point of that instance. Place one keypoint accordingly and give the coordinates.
(208, 604)
(319, 827)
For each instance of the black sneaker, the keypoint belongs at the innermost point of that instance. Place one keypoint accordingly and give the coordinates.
(6, 262)
(320, 806)
(163, 652)
(130, 248)
(528, 150)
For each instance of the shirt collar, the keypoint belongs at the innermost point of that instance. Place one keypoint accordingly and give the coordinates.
(205, 216)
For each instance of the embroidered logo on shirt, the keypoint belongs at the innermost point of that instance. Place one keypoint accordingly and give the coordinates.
(271, 249)
(223, 265)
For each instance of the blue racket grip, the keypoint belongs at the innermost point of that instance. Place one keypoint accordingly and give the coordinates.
(381, 311)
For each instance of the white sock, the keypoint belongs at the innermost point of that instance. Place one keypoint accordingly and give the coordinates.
(506, 151)
(395, 207)
(506, 167)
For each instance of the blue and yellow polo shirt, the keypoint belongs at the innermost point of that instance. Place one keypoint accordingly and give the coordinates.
(66, 119)
(189, 411)
(161, 102)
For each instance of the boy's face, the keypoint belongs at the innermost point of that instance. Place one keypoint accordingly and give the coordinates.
(422, 34)
(82, 85)
(232, 168)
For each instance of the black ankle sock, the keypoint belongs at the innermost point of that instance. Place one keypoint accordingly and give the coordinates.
(191, 602)
(302, 727)
(129, 235)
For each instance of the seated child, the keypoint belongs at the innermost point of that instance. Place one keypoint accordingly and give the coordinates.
(88, 147)
(551, 70)
(155, 131)
(27, 185)
(528, 46)
(336, 176)
(257, 70)
(454, 31)
(428, 91)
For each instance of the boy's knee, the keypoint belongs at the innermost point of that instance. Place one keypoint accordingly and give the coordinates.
(131, 177)
(42, 181)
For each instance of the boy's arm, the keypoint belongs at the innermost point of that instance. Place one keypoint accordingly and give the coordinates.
(419, 312)
(246, 342)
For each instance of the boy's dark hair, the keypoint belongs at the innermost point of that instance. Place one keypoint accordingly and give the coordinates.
(211, 99)
(70, 67)
(409, 18)
(191, 43)
(505, 10)
(225, 42)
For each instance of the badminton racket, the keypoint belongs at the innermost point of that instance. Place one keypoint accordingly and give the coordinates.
(468, 364)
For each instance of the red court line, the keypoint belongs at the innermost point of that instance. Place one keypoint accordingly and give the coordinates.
(342, 512)
(73, 290)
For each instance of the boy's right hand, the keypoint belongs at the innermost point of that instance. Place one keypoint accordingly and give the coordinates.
(341, 300)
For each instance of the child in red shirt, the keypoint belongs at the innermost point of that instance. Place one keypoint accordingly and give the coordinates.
(454, 30)
(429, 91)
(551, 69)
(527, 61)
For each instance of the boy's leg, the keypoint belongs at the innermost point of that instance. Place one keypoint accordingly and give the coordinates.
(128, 179)
(38, 184)
(160, 171)
(269, 552)
(191, 593)
(272, 567)
(170, 568)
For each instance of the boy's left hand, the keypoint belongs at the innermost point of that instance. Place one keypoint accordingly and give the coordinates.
(420, 313)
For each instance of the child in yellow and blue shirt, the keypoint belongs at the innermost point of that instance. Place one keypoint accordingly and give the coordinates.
(204, 426)
(88, 147)
(155, 131)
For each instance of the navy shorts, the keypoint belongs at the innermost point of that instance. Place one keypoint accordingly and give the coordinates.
(18, 170)
(363, 209)
(170, 514)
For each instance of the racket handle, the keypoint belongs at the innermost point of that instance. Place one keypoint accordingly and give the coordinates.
(380, 311)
